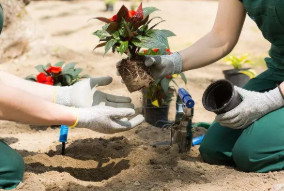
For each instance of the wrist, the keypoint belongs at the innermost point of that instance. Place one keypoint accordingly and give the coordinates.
(281, 89)
(62, 95)
(178, 62)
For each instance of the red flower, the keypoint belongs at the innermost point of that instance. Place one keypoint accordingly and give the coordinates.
(114, 18)
(44, 79)
(169, 76)
(155, 50)
(54, 69)
(131, 13)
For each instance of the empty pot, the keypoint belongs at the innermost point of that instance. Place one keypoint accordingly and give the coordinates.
(220, 97)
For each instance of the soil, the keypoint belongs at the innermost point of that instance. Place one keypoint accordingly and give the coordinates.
(128, 160)
(135, 74)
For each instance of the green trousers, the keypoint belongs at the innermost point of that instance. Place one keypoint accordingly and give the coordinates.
(258, 148)
(12, 167)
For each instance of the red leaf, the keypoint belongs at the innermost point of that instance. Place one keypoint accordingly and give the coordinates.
(100, 45)
(112, 27)
(139, 14)
(106, 20)
(123, 13)
(136, 25)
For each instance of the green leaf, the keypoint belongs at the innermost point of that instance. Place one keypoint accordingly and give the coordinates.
(175, 83)
(69, 66)
(84, 76)
(153, 19)
(166, 33)
(165, 83)
(104, 28)
(183, 78)
(149, 42)
(41, 68)
(123, 47)
(109, 45)
(116, 35)
(148, 10)
(157, 81)
(31, 78)
(59, 64)
(68, 79)
(101, 34)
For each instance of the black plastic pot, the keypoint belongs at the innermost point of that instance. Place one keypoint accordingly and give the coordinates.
(156, 116)
(221, 97)
(109, 7)
(238, 79)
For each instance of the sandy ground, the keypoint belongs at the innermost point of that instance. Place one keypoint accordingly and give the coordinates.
(128, 160)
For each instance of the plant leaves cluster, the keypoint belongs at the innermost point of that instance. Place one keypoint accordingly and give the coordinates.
(129, 31)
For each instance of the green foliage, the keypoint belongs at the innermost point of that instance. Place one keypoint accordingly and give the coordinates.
(129, 31)
(238, 62)
(110, 1)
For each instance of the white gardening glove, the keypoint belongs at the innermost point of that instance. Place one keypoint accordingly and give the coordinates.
(106, 119)
(164, 65)
(254, 106)
(84, 94)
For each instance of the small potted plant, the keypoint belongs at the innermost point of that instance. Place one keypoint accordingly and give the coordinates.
(57, 75)
(126, 33)
(239, 76)
(109, 5)
(157, 97)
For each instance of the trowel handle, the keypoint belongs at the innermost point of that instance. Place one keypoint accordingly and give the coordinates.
(186, 98)
(63, 133)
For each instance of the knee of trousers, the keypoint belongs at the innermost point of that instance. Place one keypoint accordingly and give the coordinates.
(209, 153)
(12, 171)
(244, 157)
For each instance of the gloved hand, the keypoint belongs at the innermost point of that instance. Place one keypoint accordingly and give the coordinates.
(84, 94)
(106, 119)
(164, 65)
(254, 106)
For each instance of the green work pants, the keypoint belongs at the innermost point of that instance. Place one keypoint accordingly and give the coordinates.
(12, 167)
(258, 148)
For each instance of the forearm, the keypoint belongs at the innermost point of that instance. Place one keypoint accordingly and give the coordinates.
(43, 91)
(20, 106)
(207, 50)
(222, 38)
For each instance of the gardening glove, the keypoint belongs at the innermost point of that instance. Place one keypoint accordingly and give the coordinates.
(84, 94)
(106, 119)
(163, 65)
(254, 106)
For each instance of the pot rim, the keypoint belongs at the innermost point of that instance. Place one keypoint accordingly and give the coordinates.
(209, 87)
(231, 71)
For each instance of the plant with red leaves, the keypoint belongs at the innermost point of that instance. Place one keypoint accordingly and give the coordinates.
(57, 75)
(126, 33)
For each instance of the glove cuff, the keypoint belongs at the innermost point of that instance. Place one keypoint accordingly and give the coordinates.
(62, 96)
(177, 61)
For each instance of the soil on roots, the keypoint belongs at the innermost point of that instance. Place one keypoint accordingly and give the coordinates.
(135, 74)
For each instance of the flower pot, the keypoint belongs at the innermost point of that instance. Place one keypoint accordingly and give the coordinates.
(221, 97)
(238, 79)
(109, 7)
(156, 116)
(135, 74)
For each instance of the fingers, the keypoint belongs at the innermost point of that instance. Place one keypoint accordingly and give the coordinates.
(129, 124)
(118, 99)
(120, 105)
(102, 81)
(120, 112)
(243, 93)
(150, 61)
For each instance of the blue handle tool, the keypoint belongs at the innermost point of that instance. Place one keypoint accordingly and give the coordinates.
(197, 140)
(186, 98)
(63, 137)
